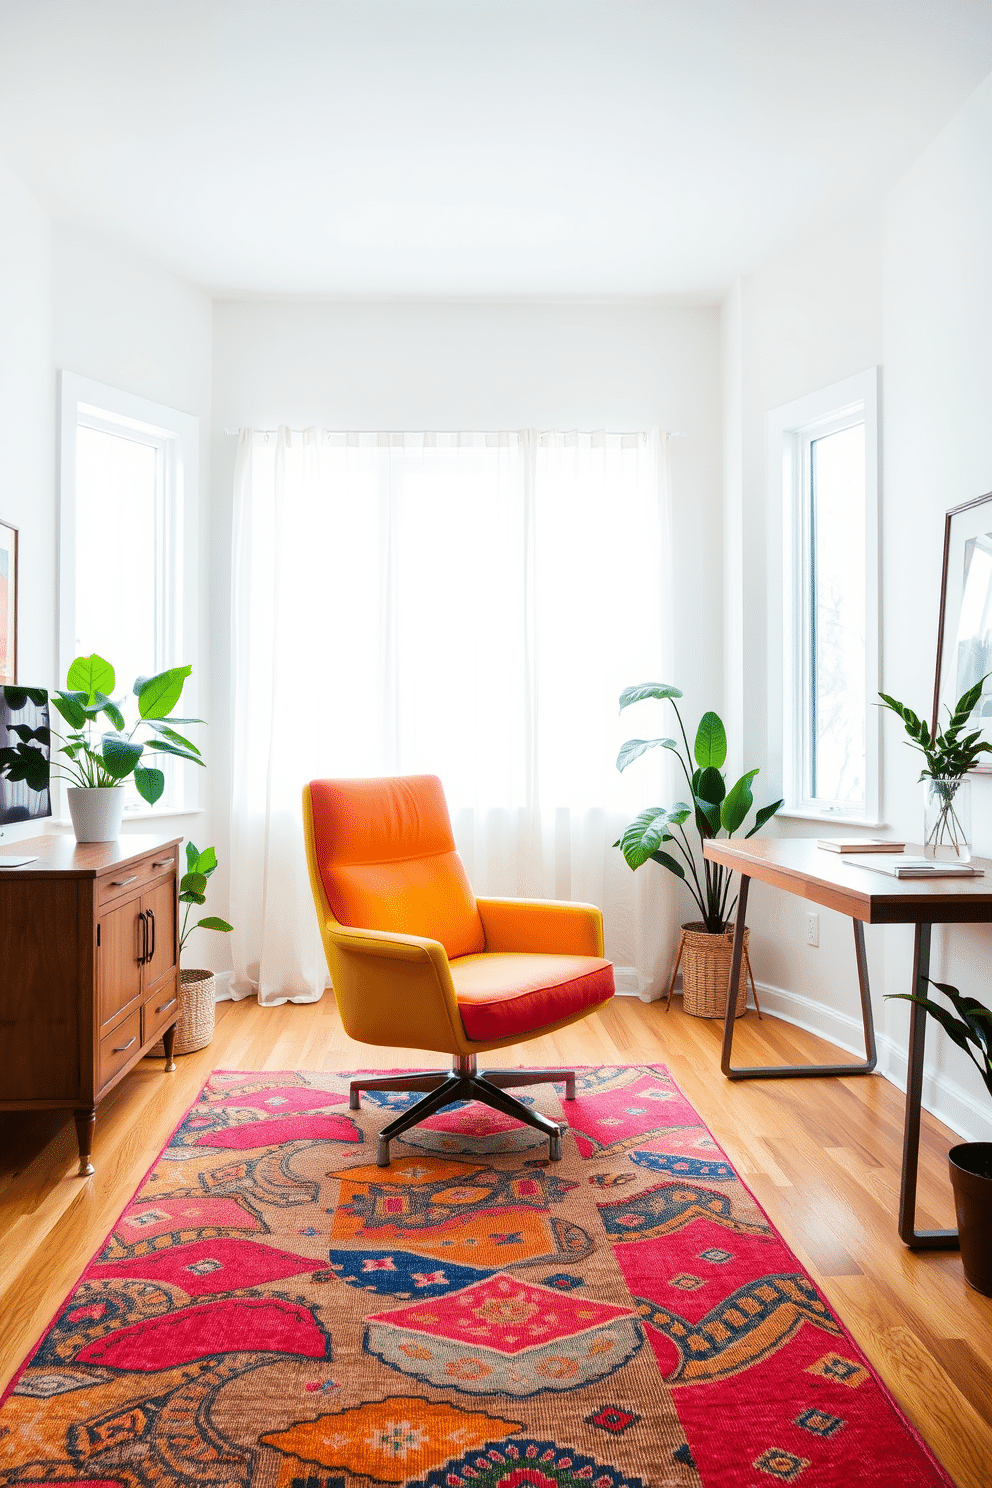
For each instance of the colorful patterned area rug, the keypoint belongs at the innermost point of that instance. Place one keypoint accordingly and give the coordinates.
(274, 1310)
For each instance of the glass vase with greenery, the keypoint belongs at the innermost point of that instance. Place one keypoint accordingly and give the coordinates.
(712, 808)
(948, 754)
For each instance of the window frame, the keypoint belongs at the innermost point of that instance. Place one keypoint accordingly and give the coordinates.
(791, 430)
(175, 437)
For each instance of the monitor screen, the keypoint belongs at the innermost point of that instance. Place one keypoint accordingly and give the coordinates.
(25, 753)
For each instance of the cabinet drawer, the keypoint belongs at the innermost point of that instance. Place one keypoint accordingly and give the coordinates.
(131, 878)
(119, 1048)
(160, 1011)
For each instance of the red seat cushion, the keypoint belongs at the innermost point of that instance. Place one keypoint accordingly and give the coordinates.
(509, 992)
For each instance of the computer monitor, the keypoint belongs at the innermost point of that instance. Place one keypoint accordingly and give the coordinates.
(25, 754)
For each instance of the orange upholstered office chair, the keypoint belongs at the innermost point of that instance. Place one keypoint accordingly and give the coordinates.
(418, 962)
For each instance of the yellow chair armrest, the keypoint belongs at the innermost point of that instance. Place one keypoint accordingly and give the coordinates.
(394, 990)
(542, 926)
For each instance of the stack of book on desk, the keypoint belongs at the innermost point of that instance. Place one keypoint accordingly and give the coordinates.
(892, 858)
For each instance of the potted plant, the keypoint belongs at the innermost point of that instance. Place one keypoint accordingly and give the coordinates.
(949, 757)
(97, 759)
(705, 945)
(970, 1163)
(195, 1025)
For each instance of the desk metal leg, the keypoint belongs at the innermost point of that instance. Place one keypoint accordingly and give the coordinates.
(796, 1071)
(914, 1238)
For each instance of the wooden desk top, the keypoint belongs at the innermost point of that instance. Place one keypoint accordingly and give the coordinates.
(831, 879)
(62, 856)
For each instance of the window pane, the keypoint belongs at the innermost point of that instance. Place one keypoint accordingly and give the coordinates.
(837, 617)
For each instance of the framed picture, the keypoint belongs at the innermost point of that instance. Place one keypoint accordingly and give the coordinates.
(8, 603)
(964, 633)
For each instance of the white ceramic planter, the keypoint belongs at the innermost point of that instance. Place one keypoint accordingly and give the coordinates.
(97, 813)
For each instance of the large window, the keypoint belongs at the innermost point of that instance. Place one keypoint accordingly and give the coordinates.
(127, 581)
(823, 472)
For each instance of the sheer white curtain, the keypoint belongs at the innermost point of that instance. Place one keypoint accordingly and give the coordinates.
(465, 604)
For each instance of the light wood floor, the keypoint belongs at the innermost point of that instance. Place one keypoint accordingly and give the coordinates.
(822, 1156)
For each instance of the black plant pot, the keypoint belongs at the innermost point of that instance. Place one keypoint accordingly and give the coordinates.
(971, 1178)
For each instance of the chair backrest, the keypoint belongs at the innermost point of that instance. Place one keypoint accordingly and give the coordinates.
(386, 857)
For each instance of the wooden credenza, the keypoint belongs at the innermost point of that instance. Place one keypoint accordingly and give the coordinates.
(89, 970)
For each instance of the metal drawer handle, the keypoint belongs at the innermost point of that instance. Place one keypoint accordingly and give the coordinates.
(165, 1005)
(144, 938)
(132, 1040)
(165, 863)
(151, 921)
(118, 883)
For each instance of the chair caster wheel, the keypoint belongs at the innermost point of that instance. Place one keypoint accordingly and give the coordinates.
(354, 1103)
(554, 1145)
(382, 1153)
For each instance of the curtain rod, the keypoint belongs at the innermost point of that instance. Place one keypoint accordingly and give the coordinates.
(672, 433)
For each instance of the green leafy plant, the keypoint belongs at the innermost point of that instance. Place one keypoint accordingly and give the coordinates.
(972, 1028)
(948, 757)
(713, 808)
(96, 757)
(193, 890)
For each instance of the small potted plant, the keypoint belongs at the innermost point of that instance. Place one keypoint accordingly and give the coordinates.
(705, 946)
(97, 759)
(195, 1025)
(969, 1025)
(949, 757)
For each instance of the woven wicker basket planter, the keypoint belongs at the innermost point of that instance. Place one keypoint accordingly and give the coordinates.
(705, 959)
(196, 1013)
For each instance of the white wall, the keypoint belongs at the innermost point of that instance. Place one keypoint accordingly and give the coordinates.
(489, 366)
(27, 428)
(907, 287)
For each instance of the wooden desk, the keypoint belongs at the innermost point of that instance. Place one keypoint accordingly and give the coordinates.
(869, 898)
(89, 965)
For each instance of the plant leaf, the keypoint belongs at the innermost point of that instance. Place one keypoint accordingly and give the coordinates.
(667, 861)
(765, 814)
(206, 862)
(711, 786)
(648, 831)
(213, 922)
(91, 674)
(710, 747)
(171, 734)
(118, 756)
(707, 817)
(150, 782)
(192, 853)
(644, 690)
(71, 706)
(107, 705)
(634, 748)
(193, 883)
(955, 1030)
(158, 695)
(738, 803)
(166, 747)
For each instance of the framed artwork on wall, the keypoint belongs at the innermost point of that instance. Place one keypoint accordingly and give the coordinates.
(8, 603)
(964, 633)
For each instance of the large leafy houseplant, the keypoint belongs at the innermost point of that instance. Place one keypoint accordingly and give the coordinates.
(96, 756)
(948, 755)
(711, 809)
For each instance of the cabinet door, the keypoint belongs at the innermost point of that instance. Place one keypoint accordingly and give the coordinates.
(119, 953)
(159, 908)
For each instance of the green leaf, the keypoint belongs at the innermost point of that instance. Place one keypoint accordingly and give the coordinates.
(71, 705)
(206, 862)
(106, 705)
(193, 883)
(647, 690)
(712, 786)
(171, 734)
(119, 756)
(707, 817)
(667, 861)
(955, 1030)
(150, 783)
(158, 695)
(647, 831)
(634, 748)
(192, 853)
(765, 814)
(710, 747)
(212, 922)
(166, 747)
(91, 674)
(738, 803)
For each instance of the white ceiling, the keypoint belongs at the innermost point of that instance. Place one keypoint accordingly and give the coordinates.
(473, 147)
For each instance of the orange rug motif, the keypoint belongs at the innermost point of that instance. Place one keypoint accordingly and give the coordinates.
(273, 1310)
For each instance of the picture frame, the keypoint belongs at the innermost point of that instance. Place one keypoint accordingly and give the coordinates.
(964, 630)
(8, 603)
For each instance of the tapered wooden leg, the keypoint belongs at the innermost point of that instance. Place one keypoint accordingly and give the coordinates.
(85, 1127)
(169, 1044)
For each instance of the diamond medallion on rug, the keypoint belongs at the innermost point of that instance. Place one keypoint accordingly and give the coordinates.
(273, 1310)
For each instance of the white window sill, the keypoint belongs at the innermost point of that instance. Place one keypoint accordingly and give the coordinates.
(150, 814)
(834, 817)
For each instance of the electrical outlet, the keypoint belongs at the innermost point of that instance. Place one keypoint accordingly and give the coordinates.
(812, 929)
